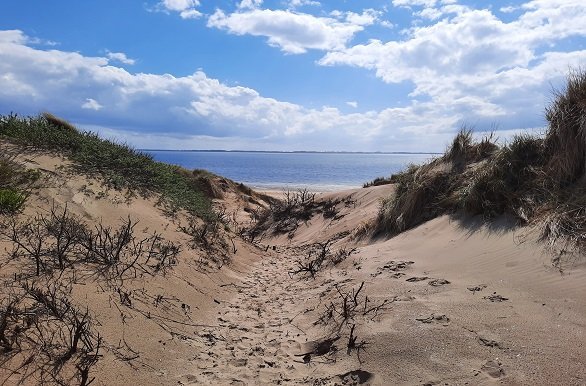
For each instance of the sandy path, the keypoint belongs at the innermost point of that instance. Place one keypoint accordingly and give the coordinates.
(257, 339)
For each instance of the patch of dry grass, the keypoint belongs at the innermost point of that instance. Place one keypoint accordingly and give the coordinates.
(536, 179)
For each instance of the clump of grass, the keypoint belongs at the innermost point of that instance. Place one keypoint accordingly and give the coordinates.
(531, 178)
(418, 198)
(119, 165)
(566, 139)
(11, 201)
(377, 182)
(508, 182)
(15, 182)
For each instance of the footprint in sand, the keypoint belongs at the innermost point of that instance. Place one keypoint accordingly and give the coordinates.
(402, 298)
(489, 342)
(417, 278)
(476, 288)
(441, 319)
(393, 266)
(495, 298)
(493, 369)
(438, 282)
(356, 377)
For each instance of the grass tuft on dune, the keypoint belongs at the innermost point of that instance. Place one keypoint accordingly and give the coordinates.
(119, 165)
(536, 179)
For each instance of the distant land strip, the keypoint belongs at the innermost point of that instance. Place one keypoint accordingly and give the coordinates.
(293, 152)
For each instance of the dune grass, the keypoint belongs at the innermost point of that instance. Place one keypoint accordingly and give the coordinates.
(119, 165)
(15, 183)
(536, 179)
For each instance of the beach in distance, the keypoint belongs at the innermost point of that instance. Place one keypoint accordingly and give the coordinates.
(319, 172)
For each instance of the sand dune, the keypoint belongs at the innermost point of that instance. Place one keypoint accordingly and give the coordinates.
(454, 301)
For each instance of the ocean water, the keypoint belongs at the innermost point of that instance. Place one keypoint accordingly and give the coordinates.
(276, 171)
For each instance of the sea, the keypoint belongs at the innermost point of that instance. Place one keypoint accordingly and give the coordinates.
(318, 172)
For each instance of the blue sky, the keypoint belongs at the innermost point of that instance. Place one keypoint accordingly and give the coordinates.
(370, 75)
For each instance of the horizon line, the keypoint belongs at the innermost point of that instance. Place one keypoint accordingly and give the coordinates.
(290, 151)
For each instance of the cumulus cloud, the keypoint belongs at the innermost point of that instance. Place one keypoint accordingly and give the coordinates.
(250, 4)
(508, 9)
(196, 107)
(469, 67)
(293, 32)
(187, 9)
(91, 104)
(301, 3)
(475, 64)
(421, 3)
(120, 57)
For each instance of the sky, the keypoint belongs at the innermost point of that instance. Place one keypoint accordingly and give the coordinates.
(282, 75)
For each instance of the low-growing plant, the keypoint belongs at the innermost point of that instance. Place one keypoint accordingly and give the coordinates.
(11, 201)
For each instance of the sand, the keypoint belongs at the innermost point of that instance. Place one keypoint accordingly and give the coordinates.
(455, 301)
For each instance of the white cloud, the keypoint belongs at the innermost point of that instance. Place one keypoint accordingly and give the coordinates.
(508, 9)
(250, 4)
(292, 32)
(13, 36)
(422, 3)
(387, 24)
(463, 69)
(430, 13)
(185, 8)
(301, 3)
(180, 5)
(190, 14)
(91, 104)
(416, 3)
(197, 107)
(474, 64)
(120, 57)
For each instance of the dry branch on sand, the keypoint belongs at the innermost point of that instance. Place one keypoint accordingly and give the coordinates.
(44, 337)
(60, 240)
(296, 207)
(320, 256)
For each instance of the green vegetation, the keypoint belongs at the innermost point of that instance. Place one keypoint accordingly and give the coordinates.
(119, 165)
(532, 178)
(377, 182)
(11, 201)
(15, 182)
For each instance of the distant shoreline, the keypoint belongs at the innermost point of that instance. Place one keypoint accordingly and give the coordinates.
(293, 152)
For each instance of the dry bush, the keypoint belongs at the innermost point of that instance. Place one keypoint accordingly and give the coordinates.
(319, 256)
(210, 237)
(45, 338)
(285, 215)
(60, 240)
(348, 306)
